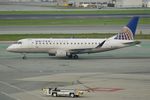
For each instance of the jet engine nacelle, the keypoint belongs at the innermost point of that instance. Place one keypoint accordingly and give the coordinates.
(61, 53)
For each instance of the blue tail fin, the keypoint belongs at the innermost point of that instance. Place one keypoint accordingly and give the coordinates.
(128, 32)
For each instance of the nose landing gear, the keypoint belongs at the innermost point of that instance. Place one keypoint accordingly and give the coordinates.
(24, 56)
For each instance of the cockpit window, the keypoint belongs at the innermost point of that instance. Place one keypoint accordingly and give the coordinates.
(19, 42)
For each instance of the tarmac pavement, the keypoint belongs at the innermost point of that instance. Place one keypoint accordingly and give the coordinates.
(122, 74)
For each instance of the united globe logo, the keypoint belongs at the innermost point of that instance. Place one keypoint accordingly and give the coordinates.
(125, 34)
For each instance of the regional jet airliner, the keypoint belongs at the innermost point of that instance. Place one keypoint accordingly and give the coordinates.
(71, 47)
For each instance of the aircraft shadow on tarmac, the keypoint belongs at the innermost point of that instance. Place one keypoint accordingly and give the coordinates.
(81, 57)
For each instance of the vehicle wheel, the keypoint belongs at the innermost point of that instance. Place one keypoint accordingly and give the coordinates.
(54, 94)
(72, 95)
(75, 57)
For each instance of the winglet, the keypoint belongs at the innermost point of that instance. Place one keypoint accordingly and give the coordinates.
(128, 31)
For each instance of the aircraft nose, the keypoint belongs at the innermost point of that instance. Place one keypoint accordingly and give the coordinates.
(10, 49)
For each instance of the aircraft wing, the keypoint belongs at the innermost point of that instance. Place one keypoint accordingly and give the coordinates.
(80, 50)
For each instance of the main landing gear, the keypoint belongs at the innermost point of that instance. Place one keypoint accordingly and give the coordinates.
(73, 56)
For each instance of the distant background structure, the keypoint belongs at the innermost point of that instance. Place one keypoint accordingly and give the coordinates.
(89, 3)
(29, 0)
(106, 3)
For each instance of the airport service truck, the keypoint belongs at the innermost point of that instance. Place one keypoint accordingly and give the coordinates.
(62, 92)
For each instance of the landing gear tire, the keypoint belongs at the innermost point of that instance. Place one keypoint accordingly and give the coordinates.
(54, 94)
(73, 57)
(72, 95)
(24, 56)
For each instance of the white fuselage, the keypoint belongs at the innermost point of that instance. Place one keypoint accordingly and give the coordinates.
(71, 47)
(64, 47)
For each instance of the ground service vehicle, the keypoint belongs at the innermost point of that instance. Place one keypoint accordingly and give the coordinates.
(62, 92)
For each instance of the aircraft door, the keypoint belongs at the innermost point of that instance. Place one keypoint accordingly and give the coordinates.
(31, 44)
